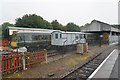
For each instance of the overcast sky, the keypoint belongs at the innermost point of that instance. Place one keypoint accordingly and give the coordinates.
(78, 11)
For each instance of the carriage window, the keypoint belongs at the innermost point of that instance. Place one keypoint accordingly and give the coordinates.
(14, 37)
(49, 37)
(80, 36)
(30, 38)
(40, 37)
(60, 35)
(76, 37)
(35, 37)
(20, 38)
(45, 37)
(56, 36)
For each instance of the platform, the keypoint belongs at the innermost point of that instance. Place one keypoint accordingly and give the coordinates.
(108, 68)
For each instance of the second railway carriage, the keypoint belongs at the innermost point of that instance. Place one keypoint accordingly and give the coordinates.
(62, 38)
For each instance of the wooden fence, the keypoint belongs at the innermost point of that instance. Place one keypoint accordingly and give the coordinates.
(14, 61)
(4, 43)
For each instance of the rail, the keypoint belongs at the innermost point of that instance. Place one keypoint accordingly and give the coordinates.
(84, 65)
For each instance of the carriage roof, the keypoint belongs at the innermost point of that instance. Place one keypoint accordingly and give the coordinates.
(64, 32)
(32, 29)
(37, 32)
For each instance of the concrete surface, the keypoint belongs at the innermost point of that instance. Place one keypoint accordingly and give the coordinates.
(106, 68)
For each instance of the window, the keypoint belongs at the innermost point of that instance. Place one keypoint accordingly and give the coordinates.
(49, 37)
(60, 35)
(35, 37)
(45, 37)
(14, 37)
(20, 38)
(80, 36)
(76, 37)
(56, 36)
(40, 37)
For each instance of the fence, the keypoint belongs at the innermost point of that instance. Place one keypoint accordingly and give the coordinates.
(15, 61)
(93, 42)
(4, 43)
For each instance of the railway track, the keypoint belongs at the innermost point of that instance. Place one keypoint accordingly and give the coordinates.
(84, 71)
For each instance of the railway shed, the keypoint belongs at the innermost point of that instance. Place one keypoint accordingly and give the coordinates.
(105, 32)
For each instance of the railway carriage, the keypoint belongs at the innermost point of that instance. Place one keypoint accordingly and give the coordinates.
(41, 39)
(66, 41)
(62, 38)
(9, 31)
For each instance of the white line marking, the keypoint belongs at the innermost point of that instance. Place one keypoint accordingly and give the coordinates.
(100, 66)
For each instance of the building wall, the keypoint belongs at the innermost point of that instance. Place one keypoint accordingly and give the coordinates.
(113, 38)
(91, 27)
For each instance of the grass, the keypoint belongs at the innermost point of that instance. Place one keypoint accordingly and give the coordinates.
(77, 59)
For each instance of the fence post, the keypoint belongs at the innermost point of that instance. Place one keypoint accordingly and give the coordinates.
(46, 56)
(23, 58)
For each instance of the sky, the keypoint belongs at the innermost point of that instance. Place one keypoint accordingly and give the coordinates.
(78, 11)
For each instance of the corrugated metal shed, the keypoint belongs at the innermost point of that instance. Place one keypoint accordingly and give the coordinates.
(98, 26)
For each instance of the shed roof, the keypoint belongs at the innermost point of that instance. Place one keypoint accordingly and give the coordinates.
(66, 32)
(96, 25)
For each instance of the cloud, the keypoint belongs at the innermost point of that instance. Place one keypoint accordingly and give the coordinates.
(77, 11)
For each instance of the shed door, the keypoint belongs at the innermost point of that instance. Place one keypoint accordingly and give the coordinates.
(105, 36)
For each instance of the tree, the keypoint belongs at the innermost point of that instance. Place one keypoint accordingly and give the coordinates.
(56, 25)
(72, 27)
(64, 28)
(32, 20)
(4, 25)
(0, 32)
(116, 26)
(47, 25)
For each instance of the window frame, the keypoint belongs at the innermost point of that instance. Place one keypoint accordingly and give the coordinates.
(56, 36)
(60, 35)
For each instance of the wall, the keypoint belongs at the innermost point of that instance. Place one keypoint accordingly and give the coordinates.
(113, 38)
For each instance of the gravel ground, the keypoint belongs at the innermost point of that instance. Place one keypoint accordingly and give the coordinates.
(57, 65)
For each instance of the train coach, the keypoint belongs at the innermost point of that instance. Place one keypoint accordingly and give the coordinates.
(31, 39)
(9, 31)
(62, 38)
